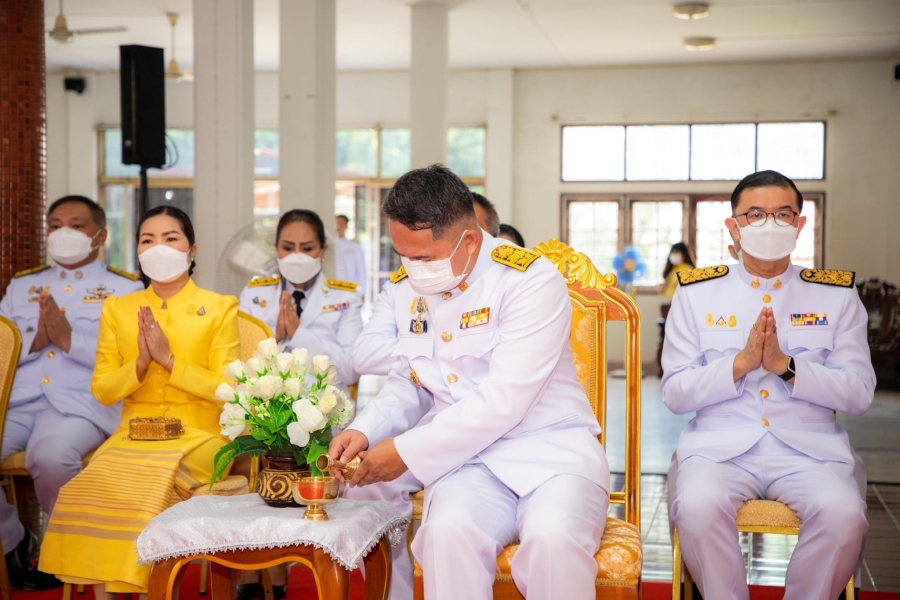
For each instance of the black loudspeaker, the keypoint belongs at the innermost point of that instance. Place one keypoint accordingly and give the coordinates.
(75, 84)
(142, 79)
(896, 72)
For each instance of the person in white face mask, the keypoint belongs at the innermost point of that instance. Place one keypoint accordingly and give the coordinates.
(766, 353)
(161, 352)
(52, 415)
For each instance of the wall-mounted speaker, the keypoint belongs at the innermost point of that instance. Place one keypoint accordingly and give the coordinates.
(143, 97)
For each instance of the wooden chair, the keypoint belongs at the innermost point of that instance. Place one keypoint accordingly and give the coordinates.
(755, 516)
(10, 349)
(595, 301)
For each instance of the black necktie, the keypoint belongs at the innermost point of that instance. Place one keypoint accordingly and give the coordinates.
(298, 296)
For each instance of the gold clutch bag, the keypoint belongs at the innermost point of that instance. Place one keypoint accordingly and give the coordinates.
(154, 428)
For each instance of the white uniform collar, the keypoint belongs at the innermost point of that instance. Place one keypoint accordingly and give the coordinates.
(89, 270)
(760, 283)
(483, 261)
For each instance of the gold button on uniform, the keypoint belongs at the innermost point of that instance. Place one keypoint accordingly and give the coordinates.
(764, 393)
(452, 378)
(754, 284)
(447, 295)
(51, 354)
(446, 336)
(767, 298)
(45, 380)
(765, 422)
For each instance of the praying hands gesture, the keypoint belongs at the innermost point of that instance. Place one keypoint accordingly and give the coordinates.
(288, 321)
(153, 345)
(53, 327)
(762, 349)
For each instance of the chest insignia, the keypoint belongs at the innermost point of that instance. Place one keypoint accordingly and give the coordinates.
(828, 277)
(29, 329)
(336, 284)
(697, 275)
(201, 312)
(720, 322)
(98, 294)
(806, 319)
(418, 325)
(474, 318)
(336, 307)
(414, 377)
(514, 256)
(732, 321)
(709, 320)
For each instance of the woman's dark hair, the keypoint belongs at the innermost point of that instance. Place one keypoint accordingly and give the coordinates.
(429, 198)
(688, 258)
(184, 221)
(301, 215)
(513, 233)
(764, 179)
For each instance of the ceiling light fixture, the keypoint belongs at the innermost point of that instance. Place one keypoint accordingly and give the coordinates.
(699, 44)
(690, 11)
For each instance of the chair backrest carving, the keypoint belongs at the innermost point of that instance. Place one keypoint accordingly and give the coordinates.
(251, 331)
(10, 349)
(595, 302)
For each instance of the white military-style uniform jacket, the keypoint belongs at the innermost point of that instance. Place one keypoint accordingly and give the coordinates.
(493, 356)
(350, 262)
(330, 322)
(64, 378)
(820, 322)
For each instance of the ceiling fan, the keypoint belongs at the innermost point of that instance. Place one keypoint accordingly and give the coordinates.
(173, 71)
(62, 33)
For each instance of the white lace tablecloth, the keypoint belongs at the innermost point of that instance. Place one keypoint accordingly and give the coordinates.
(211, 524)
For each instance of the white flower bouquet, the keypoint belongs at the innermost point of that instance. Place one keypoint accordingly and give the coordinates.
(289, 405)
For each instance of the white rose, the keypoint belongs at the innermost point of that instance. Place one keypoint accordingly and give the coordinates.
(269, 386)
(284, 362)
(233, 420)
(257, 365)
(308, 416)
(331, 377)
(301, 355)
(293, 387)
(327, 403)
(345, 413)
(244, 402)
(236, 371)
(268, 348)
(225, 393)
(320, 363)
(297, 435)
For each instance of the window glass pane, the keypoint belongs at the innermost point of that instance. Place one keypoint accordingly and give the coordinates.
(182, 198)
(265, 153)
(266, 198)
(179, 147)
(112, 156)
(657, 152)
(593, 153)
(723, 152)
(465, 151)
(118, 202)
(713, 238)
(395, 152)
(805, 252)
(796, 150)
(594, 230)
(355, 153)
(655, 226)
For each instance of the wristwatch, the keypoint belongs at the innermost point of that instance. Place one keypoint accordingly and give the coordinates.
(791, 372)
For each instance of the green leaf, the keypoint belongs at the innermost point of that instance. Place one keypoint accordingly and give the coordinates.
(316, 449)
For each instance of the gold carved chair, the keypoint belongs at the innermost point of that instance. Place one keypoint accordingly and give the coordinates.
(755, 516)
(595, 302)
(10, 348)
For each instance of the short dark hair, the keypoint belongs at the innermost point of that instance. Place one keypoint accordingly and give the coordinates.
(301, 215)
(513, 233)
(184, 221)
(97, 212)
(429, 198)
(344, 217)
(490, 213)
(762, 179)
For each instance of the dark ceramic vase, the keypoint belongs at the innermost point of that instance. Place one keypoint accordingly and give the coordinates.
(274, 482)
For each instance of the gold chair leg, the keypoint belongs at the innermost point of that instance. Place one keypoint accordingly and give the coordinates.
(266, 581)
(676, 568)
(204, 576)
(79, 590)
(851, 589)
(67, 591)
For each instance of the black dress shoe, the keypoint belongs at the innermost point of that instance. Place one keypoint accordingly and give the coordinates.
(249, 591)
(18, 562)
(279, 591)
(38, 581)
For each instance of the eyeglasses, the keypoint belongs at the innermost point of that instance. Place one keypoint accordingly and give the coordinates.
(758, 218)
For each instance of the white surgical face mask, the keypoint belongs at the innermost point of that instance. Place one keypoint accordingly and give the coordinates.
(297, 267)
(67, 246)
(434, 276)
(769, 242)
(676, 259)
(163, 263)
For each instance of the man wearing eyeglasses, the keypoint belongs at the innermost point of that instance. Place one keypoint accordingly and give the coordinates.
(766, 353)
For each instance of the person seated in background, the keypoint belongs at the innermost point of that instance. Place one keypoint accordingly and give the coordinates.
(680, 259)
(349, 257)
(766, 352)
(52, 415)
(486, 214)
(511, 234)
(164, 351)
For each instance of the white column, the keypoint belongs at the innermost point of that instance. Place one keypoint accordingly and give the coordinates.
(223, 126)
(428, 77)
(81, 141)
(499, 142)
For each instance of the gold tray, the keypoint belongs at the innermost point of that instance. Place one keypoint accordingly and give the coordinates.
(154, 428)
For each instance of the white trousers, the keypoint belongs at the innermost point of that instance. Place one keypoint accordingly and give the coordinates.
(54, 446)
(396, 492)
(705, 496)
(472, 516)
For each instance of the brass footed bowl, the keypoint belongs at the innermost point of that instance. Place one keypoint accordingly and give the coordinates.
(315, 492)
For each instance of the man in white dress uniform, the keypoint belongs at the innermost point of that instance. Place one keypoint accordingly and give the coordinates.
(349, 260)
(766, 353)
(510, 452)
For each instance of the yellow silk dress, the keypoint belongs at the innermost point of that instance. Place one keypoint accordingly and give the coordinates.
(99, 514)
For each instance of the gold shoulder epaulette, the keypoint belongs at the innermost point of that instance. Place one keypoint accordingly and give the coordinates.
(25, 272)
(704, 274)
(337, 284)
(514, 256)
(398, 275)
(261, 281)
(829, 277)
(126, 274)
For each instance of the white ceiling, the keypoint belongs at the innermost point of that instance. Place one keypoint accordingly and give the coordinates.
(374, 34)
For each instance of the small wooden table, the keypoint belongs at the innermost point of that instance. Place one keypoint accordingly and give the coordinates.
(332, 579)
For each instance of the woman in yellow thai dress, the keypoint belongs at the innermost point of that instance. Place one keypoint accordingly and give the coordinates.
(163, 350)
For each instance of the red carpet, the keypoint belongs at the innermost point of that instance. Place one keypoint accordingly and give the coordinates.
(303, 587)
